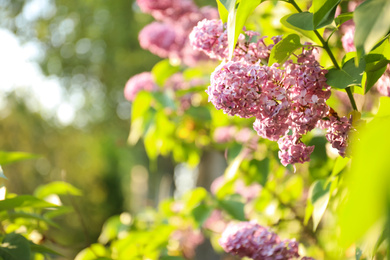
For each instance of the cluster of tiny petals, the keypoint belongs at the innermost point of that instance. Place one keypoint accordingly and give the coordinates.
(248, 239)
(210, 36)
(142, 81)
(168, 38)
(292, 150)
(235, 88)
(159, 38)
(337, 133)
(291, 96)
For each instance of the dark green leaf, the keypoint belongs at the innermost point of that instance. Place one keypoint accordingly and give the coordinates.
(11, 157)
(283, 49)
(42, 249)
(199, 113)
(303, 21)
(372, 22)
(309, 34)
(201, 213)
(24, 201)
(348, 76)
(234, 206)
(15, 247)
(323, 12)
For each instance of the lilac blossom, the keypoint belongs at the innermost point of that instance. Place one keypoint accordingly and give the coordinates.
(142, 81)
(159, 39)
(292, 150)
(337, 133)
(210, 36)
(248, 239)
(347, 38)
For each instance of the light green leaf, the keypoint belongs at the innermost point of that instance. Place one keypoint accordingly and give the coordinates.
(342, 18)
(24, 201)
(323, 12)
(283, 49)
(237, 18)
(15, 247)
(368, 179)
(25, 215)
(56, 187)
(162, 71)
(223, 7)
(11, 157)
(339, 165)
(372, 21)
(110, 229)
(319, 196)
(234, 206)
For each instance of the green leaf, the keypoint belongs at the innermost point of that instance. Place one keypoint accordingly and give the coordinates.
(309, 34)
(303, 21)
(358, 253)
(323, 12)
(11, 157)
(164, 100)
(141, 104)
(234, 206)
(374, 70)
(201, 213)
(342, 18)
(15, 247)
(56, 187)
(201, 114)
(368, 180)
(110, 230)
(237, 18)
(223, 8)
(24, 201)
(339, 165)
(162, 71)
(42, 249)
(283, 49)
(372, 21)
(24, 215)
(319, 197)
(348, 76)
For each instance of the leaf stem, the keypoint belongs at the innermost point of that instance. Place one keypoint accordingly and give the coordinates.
(330, 54)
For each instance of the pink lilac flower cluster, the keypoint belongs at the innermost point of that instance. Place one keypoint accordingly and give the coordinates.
(142, 81)
(168, 36)
(280, 98)
(210, 36)
(248, 239)
(338, 129)
(287, 100)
